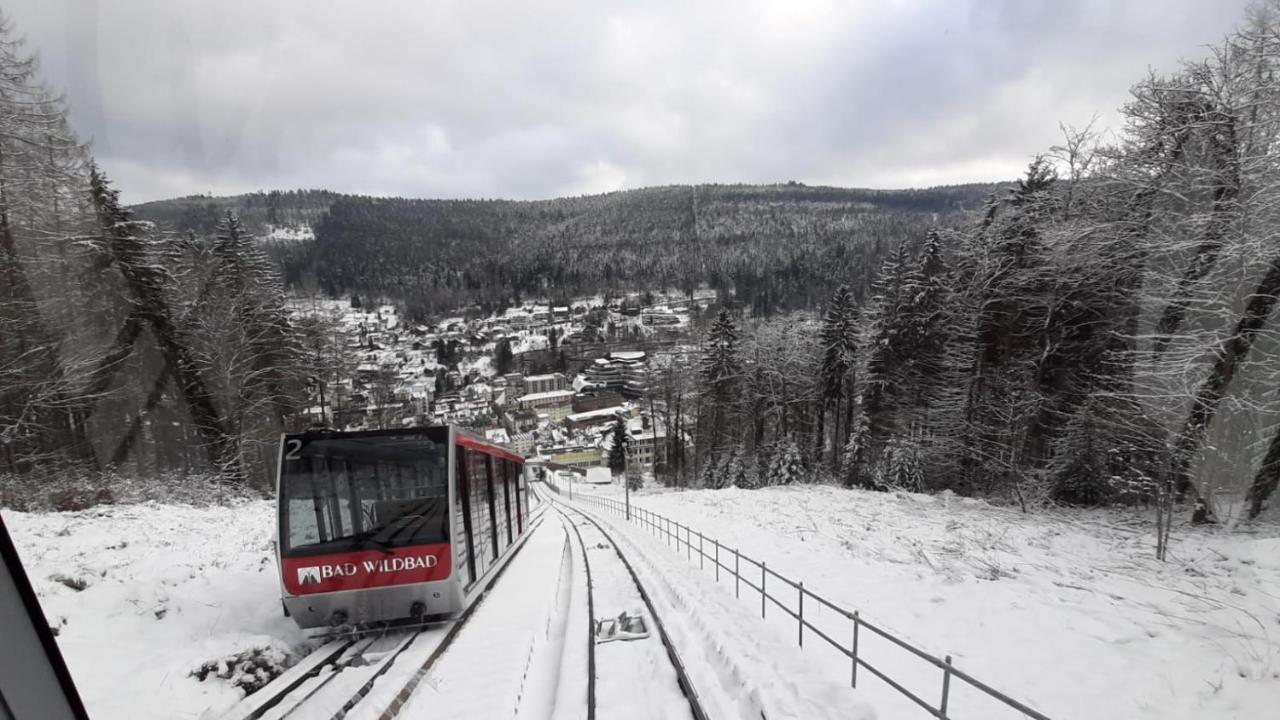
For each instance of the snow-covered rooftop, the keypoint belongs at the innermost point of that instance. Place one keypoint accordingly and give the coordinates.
(592, 414)
(540, 378)
(548, 395)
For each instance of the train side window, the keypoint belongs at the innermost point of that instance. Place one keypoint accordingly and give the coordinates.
(481, 523)
(520, 500)
(507, 466)
(493, 502)
(463, 503)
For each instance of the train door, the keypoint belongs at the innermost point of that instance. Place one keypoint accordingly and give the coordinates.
(483, 538)
(464, 547)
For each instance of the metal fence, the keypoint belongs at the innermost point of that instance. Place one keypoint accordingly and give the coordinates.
(755, 576)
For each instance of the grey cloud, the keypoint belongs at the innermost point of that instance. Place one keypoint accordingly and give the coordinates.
(480, 99)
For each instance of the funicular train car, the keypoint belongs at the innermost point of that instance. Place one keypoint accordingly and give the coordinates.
(391, 525)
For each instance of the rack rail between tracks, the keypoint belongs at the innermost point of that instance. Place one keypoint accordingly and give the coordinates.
(754, 576)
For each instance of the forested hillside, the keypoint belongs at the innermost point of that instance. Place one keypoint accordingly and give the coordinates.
(774, 247)
(258, 211)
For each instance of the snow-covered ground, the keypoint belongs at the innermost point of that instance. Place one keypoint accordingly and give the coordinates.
(166, 589)
(1069, 611)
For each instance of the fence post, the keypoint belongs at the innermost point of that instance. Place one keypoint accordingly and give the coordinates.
(717, 542)
(688, 543)
(763, 577)
(701, 556)
(946, 687)
(736, 575)
(853, 677)
(800, 628)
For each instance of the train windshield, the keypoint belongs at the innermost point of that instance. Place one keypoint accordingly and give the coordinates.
(343, 493)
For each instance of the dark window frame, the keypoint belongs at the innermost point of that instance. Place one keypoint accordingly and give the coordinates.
(464, 489)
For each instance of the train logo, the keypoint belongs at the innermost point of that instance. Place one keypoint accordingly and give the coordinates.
(309, 575)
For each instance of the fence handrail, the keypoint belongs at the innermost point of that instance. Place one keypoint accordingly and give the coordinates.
(663, 525)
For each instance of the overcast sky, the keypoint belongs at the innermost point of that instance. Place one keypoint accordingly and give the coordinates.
(541, 99)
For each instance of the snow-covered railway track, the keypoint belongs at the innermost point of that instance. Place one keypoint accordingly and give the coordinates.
(371, 676)
(635, 670)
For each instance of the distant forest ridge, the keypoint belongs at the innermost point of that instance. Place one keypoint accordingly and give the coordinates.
(770, 247)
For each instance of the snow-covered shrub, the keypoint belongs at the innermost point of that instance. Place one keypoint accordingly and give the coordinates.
(785, 467)
(249, 670)
(730, 470)
(899, 465)
(69, 491)
(75, 583)
(707, 477)
(1109, 453)
(746, 477)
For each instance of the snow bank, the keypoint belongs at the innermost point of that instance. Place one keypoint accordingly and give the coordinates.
(167, 588)
(1069, 612)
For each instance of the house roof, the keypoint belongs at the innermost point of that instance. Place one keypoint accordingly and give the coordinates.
(548, 395)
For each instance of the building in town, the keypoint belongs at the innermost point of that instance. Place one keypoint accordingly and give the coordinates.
(545, 383)
(577, 456)
(577, 422)
(648, 448)
(623, 372)
(555, 403)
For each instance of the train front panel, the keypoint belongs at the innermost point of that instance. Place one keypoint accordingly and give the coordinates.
(366, 528)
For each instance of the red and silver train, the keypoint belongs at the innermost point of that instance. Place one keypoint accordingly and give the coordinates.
(386, 525)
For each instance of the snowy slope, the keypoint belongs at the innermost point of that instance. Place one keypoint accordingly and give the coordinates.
(167, 587)
(1068, 612)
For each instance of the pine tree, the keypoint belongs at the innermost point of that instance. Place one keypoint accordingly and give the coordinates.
(732, 470)
(835, 375)
(890, 368)
(620, 448)
(721, 371)
(860, 463)
(901, 467)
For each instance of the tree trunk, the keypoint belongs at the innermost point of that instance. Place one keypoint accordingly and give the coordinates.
(1226, 194)
(1267, 479)
(1230, 354)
